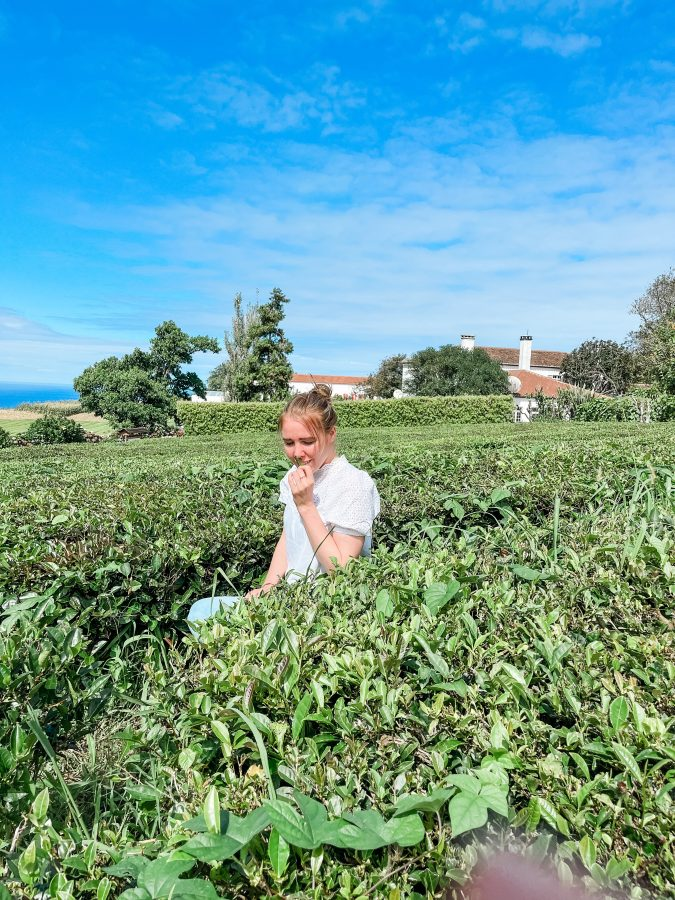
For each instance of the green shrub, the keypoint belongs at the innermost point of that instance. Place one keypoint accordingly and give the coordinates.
(55, 428)
(5, 438)
(219, 418)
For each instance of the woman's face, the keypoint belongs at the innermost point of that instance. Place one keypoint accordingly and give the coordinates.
(303, 447)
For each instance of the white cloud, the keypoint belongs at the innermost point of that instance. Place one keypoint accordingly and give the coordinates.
(533, 38)
(32, 351)
(223, 94)
(414, 246)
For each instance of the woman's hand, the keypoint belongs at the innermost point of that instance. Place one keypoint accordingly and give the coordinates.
(301, 483)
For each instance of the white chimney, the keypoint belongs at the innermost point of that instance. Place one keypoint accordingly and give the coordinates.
(525, 356)
(407, 377)
(468, 342)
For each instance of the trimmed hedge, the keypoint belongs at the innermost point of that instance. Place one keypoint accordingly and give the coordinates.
(220, 418)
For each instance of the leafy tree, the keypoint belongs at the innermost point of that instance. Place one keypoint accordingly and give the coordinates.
(231, 376)
(5, 438)
(451, 370)
(602, 366)
(651, 342)
(268, 371)
(141, 388)
(665, 376)
(388, 377)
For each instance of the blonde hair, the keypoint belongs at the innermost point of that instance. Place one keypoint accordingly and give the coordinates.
(314, 407)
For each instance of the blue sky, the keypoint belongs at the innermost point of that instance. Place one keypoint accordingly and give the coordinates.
(404, 172)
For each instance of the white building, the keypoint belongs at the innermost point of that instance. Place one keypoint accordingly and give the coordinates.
(342, 385)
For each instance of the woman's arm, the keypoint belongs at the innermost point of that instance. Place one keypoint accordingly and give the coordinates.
(327, 545)
(277, 569)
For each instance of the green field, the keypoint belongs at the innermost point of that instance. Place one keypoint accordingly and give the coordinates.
(498, 675)
(18, 426)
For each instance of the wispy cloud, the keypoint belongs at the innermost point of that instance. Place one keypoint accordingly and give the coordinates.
(262, 100)
(41, 353)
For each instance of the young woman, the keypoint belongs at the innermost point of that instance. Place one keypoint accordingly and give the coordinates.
(329, 503)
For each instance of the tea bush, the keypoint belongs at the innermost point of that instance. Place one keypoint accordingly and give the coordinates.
(498, 673)
(5, 439)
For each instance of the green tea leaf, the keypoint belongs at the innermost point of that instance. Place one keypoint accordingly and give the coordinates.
(627, 760)
(587, 851)
(160, 877)
(211, 811)
(618, 712)
(278, 852)
(526, 573)
(41, 804)
(439, 594)
(384, 604)
(301, 712)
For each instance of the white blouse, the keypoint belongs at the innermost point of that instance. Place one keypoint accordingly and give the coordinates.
(347, 502)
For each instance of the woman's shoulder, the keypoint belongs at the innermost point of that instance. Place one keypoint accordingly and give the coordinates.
(346, 471)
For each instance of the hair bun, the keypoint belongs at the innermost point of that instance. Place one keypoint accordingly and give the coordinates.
(322, 390)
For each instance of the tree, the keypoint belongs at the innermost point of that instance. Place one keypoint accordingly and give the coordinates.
(651, 342)
(142, 387)
(268, 371)
(601, 366)
(231, 376)
(451, 370)
(388, 377)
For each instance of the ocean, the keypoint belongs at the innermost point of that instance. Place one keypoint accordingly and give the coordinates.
(11, 394)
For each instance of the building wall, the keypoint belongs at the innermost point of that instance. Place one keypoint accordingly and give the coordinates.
(342, 390)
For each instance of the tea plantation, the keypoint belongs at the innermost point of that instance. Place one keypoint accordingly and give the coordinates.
(498, 675)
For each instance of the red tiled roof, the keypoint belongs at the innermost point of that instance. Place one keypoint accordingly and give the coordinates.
(510, 356)
(327, 379)
(531, 383)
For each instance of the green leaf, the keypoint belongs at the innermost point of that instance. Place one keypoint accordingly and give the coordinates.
(291, 826)
(526, 573)
(211, 810)
(467, 812)
(467, 783)
(244, 830)
(515, 673)
(211, 847)
(406, 831)
(437, 661)
(437, 595)
(422, 802)
(587, 851)
(617, 868)
(384, 604)
(315, 813)
(129, 867)
(301, 711)
(194, 889)
(627, 760)
(278, 852)
(41, 805)
(160, 877)
(618, 712)
(60, 519)
(495, 799)
(135, 894)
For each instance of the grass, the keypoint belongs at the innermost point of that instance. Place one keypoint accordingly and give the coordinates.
(18, 426)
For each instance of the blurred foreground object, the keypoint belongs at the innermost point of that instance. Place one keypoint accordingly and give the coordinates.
(511, 877)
